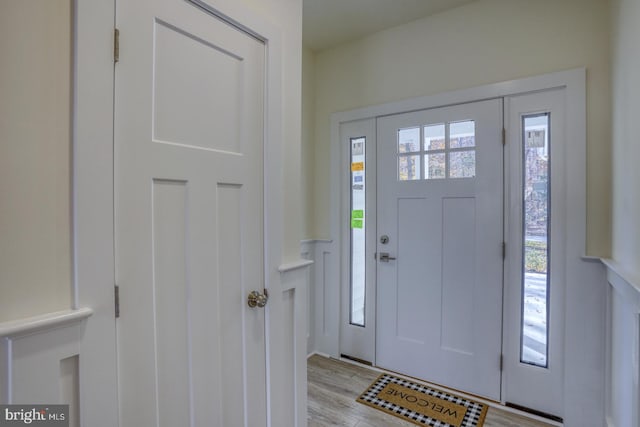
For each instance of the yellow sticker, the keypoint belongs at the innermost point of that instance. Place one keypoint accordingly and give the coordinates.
(357, 166)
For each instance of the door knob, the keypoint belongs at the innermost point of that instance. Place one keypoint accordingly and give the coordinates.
(384, 257)
(256, 299)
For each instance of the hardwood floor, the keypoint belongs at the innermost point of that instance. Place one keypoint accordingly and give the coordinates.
(334, 386)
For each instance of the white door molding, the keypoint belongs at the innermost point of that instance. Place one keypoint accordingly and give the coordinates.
(93, 209)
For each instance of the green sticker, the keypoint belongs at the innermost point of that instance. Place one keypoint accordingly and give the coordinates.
(358, 213)
(356, 223)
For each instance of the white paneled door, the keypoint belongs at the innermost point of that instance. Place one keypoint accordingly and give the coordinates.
(189, 218)
(439, 274)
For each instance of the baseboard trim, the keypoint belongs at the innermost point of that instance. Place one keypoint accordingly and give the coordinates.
(535, 412)
(317, 353)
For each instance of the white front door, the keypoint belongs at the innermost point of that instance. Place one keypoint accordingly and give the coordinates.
(439, 275)
(189, 218)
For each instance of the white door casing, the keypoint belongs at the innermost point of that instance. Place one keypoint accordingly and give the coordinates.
(189, 218)
(439, 310)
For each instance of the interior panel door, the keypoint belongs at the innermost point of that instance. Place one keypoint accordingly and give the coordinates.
(189, 218)
(439, 277)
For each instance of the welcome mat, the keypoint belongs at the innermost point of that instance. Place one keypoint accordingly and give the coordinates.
(422, 405)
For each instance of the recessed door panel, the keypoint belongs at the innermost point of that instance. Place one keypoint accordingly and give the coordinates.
(458, 273)
(187, 98)
(412, 296)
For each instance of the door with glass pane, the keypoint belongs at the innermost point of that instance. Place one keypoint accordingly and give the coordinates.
(357, 331)
(535, 263)
(440, 245)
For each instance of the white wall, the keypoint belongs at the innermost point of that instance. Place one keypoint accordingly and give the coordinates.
(35, 152)
(483, 42)
(308, 120)
(624, 268)
(626, 138)
(623, 351)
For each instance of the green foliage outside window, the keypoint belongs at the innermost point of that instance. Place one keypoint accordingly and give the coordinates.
(535, 257)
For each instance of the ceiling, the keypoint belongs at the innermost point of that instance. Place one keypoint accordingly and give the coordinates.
(327, 23)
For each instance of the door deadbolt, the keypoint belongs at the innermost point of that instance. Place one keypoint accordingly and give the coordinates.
(384, 239)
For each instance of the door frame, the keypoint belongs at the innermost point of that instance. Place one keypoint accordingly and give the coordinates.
(93, 228)
(92, 217)
(574, 84)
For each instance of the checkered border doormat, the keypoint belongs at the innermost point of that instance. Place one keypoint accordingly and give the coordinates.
(474, 417)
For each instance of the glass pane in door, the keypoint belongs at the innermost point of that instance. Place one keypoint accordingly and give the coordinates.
(536, 226)
(357, 289)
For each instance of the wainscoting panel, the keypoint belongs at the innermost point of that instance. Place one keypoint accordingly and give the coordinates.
(40, 357)
(324, 297)
(295, 279)
(307, 252)
(623, 348)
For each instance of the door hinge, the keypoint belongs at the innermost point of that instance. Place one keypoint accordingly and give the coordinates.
(504, 136)
(116, 45)
(501, 362)
(116, 299)
(504, 250)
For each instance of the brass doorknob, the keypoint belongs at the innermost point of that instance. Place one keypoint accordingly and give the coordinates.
(256, 299)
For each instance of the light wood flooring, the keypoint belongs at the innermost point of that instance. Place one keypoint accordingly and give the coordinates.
(334, 386)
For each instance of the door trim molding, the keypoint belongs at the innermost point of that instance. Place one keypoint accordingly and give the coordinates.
(584, 376)
(92, 212)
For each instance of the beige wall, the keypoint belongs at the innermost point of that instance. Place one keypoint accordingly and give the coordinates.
(286, 15)
(484, 42)
(35, 234)
(626, 138)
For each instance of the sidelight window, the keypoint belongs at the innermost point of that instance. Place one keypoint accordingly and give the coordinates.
(358, 183)
(535, 245)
